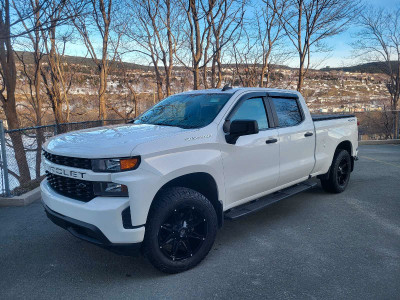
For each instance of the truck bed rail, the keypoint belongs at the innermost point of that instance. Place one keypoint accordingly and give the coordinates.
(317, 118)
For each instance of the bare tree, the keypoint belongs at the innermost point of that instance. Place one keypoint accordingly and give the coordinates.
(57, 80)
(33, 76)
(22, 21)
(379, 40)
(127, 106)
(308, 23)
(269, 31)
(246, 59)
(197, 30)
(155, 30)
(7, 91)
(224, 19)
(98, 20)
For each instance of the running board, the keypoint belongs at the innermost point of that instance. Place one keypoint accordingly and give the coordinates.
(262, 202)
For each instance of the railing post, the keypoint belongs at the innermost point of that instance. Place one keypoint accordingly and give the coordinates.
(4, 159)
(55, 129)
(398, 125)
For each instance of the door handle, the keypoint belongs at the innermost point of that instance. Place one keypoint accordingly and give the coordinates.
(308, 134)
(271, 141)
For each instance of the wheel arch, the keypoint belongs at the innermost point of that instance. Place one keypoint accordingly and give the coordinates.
(343, 145)
(348, 146)
(202, 182)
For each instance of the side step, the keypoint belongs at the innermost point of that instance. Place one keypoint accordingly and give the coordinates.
(260, 203)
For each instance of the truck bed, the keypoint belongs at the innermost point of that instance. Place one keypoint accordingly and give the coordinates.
(317, 118)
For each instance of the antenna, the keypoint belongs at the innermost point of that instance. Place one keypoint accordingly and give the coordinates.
(226, 87)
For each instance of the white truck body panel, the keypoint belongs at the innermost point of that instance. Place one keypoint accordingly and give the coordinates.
(242, 172)
(329, 134)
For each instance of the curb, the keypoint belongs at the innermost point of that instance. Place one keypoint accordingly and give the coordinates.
(22, 200)
(378, 142)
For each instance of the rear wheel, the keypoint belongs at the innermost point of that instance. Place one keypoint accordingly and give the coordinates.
(180, 230)
(339, 173)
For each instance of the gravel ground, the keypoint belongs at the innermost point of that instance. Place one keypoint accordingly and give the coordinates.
(313, 245)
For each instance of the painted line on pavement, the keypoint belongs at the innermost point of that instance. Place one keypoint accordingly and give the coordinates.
(381, 161)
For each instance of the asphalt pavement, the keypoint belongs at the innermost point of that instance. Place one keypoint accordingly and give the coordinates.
(310, 246)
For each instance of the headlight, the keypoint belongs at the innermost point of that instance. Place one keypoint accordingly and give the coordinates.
(115, 164)
(110, 189)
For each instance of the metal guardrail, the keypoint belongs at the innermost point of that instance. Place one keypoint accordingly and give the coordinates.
(4, 164)
(30, 137)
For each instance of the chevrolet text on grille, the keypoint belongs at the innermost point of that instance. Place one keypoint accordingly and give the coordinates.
(68, 173)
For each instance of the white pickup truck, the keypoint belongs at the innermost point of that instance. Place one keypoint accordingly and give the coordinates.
(166, 181)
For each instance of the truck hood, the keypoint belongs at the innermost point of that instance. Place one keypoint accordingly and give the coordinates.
(107, 141)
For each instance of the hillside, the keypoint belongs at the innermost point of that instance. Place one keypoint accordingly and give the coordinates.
(27, 57)
(131, 88)
(371, 68)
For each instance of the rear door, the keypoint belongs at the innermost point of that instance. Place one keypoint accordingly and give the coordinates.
(251, 165)
(296, 138)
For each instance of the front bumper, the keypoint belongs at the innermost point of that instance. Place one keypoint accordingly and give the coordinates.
(102, 213)
(89, 233)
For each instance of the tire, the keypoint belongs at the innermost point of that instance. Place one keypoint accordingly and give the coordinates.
(180, 230)
(339, 173)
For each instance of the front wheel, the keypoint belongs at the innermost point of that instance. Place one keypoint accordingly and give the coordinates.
(339, 173)
(180, 230)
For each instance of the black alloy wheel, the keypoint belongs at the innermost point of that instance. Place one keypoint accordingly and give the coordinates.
(180, 229)
(182, 234)
(339, 173)
(343, 172)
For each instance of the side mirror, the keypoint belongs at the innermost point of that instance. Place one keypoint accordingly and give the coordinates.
(241, 127)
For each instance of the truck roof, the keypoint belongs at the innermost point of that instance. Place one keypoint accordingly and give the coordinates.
(234, 90)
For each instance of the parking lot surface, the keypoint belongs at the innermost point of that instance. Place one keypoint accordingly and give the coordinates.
(313, 245)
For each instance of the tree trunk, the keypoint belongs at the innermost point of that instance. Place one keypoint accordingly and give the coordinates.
(16, 139)
(159, 91)
(168, 74)
(213, 73)
(205, 69)
(171, 50)
(268, 77)
(196, 76)
(301, 77)
(136, 107)
(102, 93)
(219, 80)
(7, 93)
(263, 69)
(39, 133)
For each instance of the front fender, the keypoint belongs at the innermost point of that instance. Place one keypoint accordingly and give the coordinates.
(154, 172)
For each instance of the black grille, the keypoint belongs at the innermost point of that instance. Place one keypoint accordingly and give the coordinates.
(76, 162)
(73, 188)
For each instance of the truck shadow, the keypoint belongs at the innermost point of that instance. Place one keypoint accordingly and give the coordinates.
(56, 251)
(269, 217)
(90, 261)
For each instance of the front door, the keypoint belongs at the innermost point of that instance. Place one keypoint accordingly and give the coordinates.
(251, 166)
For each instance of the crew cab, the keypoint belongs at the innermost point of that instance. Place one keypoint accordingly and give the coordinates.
(165, 182)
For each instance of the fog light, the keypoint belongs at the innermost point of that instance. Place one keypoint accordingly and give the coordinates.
(110, 189)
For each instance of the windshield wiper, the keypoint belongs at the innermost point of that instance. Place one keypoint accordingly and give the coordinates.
(164, 124)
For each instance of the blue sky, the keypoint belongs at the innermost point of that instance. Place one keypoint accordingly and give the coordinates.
(341, 54)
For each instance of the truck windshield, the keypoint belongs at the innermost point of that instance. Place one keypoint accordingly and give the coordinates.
(185, 110)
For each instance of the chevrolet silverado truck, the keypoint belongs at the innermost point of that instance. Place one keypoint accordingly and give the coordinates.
(166, 181)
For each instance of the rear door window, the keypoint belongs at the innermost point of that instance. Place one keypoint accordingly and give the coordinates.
(288, 111)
